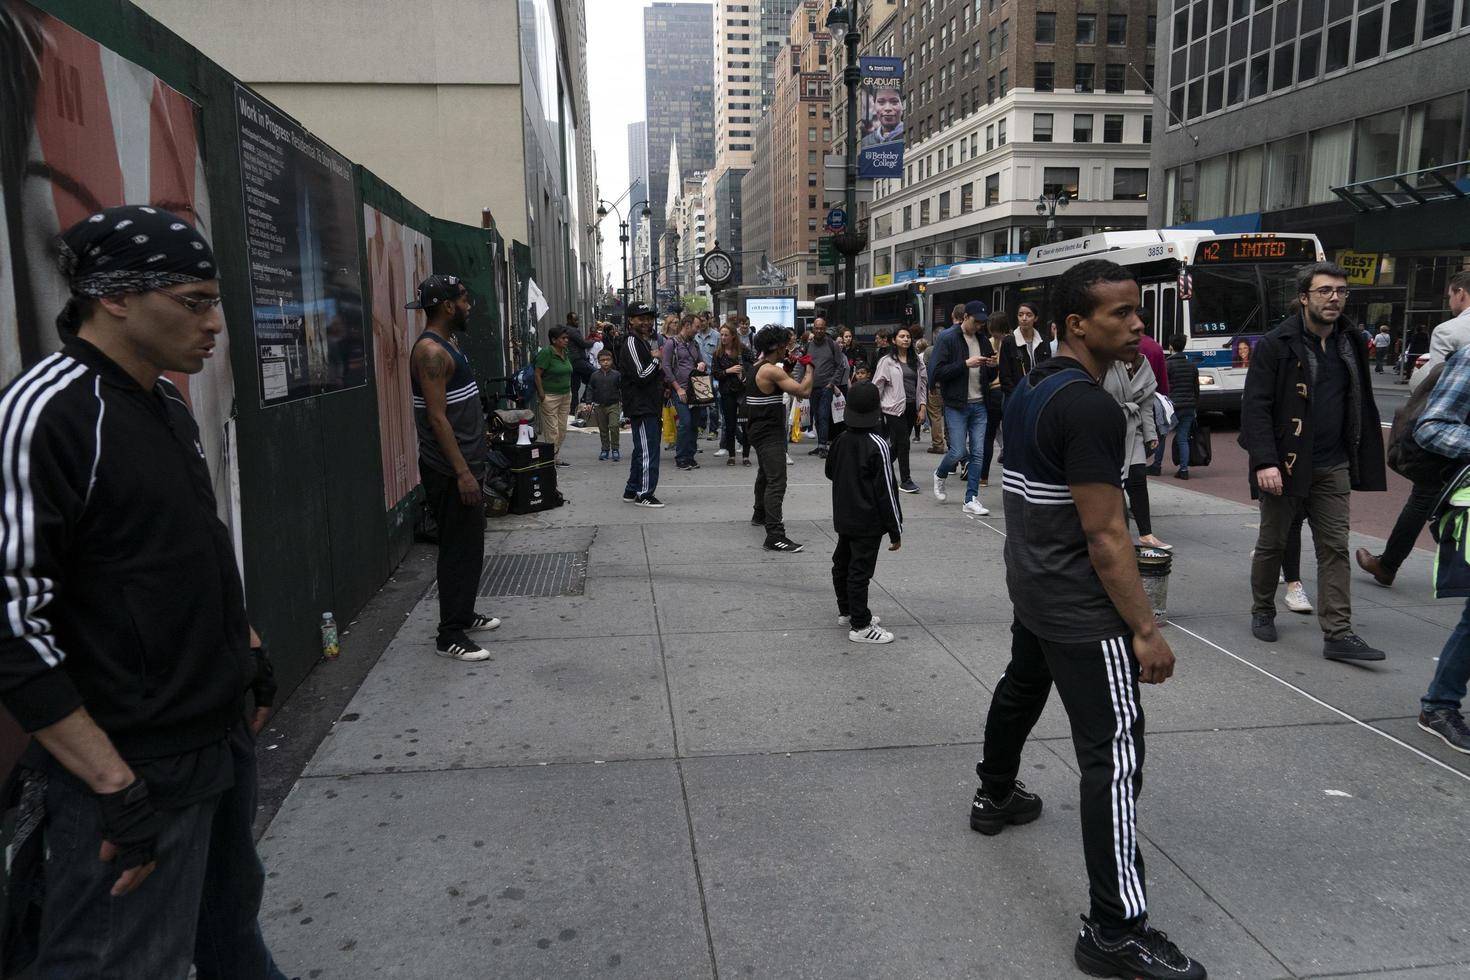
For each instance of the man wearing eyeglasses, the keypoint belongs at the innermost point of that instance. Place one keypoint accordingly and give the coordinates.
(126, 652)
(1310, 426)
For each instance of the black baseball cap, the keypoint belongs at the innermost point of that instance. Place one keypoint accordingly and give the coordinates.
(639, 309)
(435, 290)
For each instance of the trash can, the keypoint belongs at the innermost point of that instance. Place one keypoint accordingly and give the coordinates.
(1154, 565)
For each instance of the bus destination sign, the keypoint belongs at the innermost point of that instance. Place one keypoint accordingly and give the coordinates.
(1231, 250)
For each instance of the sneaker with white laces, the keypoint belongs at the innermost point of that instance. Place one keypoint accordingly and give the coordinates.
(974, 508)
(939, 488)
(872, 634)
(1296, 599)
(482, 624)
(847, 621)
(722, 451)
(1142, 952)
(782, 544)
(648, 500)
(462, 648)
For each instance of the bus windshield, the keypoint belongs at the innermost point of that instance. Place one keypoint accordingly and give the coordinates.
(1240, 300)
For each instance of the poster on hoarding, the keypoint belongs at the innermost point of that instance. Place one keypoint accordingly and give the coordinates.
(399, 258)
(880, 117)
(770, 311)
(86, 129)
(301, 234)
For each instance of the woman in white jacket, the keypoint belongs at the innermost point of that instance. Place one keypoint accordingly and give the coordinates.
(902, 381)
(1133, 386)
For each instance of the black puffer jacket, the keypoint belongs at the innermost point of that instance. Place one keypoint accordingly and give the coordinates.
(1276, 414)
(1183, 382)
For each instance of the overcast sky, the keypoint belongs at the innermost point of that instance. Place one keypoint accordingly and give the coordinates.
(615, 77)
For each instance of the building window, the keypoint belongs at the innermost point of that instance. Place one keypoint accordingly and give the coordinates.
(1082, 128)
(1112, 128)
(1439, 16)
(1118, 28)
(1046, 27)
(1087, 28)
(1060, 180)
(1113, 78)
(974, 144)
(811, 134)
(1378, 145)
(992, 190)
(993, 42)
(908, 218)
(1083, 77)
(1045, 76)
(1130, 184)
(1151, 30)
(1005, 34)
(1148, 128)
(1332, 161)
(811, 180)
(1005, 81)
(923, 212)
(1370, 36)
(1401, 22)
(943, 205)
(1000, 133)
(989, 138)
(1041, 124)
(1286, 173)
(811, 224)
(990, 89)
(967, 198)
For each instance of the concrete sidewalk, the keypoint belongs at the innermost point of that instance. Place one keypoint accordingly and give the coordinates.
(687, 771)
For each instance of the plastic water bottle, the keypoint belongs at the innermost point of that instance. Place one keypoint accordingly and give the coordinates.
(330, 647)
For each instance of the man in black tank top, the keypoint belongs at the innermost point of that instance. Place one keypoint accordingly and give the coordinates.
(766, 411)
(453, 457)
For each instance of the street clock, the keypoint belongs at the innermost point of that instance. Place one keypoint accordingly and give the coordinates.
(717, 268)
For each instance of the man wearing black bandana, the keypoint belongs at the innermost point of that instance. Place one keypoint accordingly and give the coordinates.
(126, 652)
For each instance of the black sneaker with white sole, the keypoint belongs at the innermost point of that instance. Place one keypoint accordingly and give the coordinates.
(782, 544)
(629, 497)
(989, 816)
(1141, 953)
(482, 624)
(461, 648)
(1449, 725)
(648, 500)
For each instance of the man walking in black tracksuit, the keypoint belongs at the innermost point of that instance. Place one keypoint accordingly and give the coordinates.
(1095, 636)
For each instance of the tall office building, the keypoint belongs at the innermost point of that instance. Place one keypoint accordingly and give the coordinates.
(775, 31)
(1007, 104)
(679, 92)
(1347, 121)
(638, 257)
(801, 131)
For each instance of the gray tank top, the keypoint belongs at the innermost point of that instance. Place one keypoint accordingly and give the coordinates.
(462, 407)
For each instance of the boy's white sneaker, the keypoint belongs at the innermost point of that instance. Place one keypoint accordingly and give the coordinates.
(872, 634)
(974, 508)
(722, 452)
(847, 620)
(939, 488)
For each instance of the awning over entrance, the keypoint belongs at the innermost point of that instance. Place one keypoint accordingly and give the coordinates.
(1425, 210)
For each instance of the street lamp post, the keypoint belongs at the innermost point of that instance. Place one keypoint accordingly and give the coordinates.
(602, 212)
(847, 16)
(1047, 206)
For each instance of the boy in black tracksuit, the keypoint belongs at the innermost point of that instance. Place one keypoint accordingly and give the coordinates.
(864, 508)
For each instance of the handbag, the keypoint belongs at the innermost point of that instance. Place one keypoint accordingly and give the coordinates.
(671, 424)
(1199, 446)
(701, 389)
(1450, 528)
(839, 406)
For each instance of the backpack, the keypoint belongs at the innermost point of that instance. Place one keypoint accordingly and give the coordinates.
(1405, 456)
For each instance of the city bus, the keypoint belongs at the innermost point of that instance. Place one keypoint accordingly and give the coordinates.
(1223, 292)
(879, 308)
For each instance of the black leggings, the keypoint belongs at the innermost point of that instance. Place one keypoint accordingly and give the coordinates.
(899, 427)
(732, 425)
(1138, 498)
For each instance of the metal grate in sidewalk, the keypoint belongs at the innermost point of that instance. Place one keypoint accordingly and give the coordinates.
(551, 574)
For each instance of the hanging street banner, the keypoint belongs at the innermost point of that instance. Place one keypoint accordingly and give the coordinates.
(880, 117)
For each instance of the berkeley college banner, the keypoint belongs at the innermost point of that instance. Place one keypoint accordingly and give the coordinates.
(880, 117)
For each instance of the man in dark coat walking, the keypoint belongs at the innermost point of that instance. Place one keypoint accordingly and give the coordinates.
(1310, 426)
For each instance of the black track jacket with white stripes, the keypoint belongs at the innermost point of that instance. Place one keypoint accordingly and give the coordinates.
(864, 493)
(119, 579)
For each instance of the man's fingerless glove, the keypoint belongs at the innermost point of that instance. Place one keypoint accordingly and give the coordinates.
(264, 685)
(130, 824)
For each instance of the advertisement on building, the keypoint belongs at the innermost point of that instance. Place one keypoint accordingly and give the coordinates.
(301, 231)
(770, 311)
(62, 159)
(880, 117)
(398, 260)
